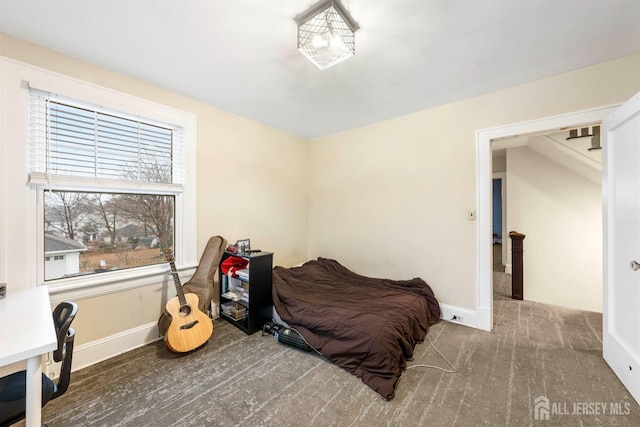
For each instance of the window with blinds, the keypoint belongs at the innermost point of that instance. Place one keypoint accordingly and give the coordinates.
(109, 183)
(74, 140)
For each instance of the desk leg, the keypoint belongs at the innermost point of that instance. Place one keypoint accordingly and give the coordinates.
(34, 392)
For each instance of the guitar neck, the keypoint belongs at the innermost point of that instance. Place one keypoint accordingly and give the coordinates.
(176, 282)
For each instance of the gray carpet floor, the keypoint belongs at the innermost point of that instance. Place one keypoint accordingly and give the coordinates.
(535, 351)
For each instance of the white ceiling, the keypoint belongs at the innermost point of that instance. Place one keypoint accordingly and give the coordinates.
(240, 55)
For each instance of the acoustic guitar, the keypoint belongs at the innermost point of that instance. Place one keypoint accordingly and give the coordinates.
(190, 328)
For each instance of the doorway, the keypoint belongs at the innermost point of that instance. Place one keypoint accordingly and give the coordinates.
(484, 141)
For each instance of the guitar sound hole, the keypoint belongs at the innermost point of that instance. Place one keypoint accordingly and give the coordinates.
(185, 310)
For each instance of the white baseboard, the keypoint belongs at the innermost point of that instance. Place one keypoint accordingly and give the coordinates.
(508, 269)
(461, 316)
(96, 351)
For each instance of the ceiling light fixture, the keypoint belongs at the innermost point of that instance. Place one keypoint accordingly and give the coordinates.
(326, 33)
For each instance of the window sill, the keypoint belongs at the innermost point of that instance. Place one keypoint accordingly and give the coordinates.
(112, 282)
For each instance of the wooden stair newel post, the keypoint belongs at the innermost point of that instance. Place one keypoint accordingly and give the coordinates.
(517, 270)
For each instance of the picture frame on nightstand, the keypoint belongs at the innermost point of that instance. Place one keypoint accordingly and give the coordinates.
(243, 246)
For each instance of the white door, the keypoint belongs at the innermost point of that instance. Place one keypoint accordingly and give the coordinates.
(621, 299)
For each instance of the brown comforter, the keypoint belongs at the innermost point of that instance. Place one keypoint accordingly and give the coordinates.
(367, 326)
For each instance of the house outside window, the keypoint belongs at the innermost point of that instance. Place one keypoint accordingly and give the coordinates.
(66, 261)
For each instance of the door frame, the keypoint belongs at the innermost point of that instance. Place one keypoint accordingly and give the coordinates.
(484, 176)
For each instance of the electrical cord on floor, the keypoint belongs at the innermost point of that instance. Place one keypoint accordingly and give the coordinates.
(453, 369)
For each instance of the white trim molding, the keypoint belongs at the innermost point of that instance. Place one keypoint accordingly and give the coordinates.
(484, 139)
(461, 316)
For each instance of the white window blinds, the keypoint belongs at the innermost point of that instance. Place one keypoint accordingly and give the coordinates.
(74, 141)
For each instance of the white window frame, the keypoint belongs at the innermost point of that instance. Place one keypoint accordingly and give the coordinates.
(28, 267)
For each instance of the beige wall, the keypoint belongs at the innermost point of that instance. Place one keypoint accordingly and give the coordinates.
(560, 212)
(251, 184)
(391, 199)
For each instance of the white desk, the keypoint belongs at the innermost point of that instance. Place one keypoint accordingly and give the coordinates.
(26, 333)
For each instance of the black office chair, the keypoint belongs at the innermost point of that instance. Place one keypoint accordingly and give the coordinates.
(13, 387)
